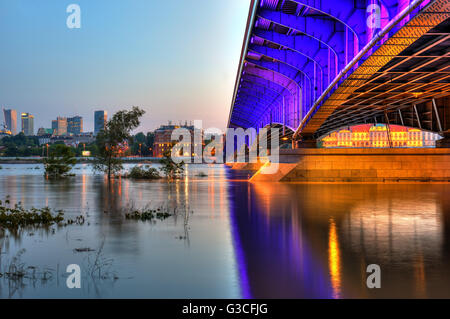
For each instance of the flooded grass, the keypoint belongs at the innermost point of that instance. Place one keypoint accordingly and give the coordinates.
(202, 174)
(15, 216)
(154, 214)
(148, 214)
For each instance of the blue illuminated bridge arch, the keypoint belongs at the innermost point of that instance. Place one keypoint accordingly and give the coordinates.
(316, 65)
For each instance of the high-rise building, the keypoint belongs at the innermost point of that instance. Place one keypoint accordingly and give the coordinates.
(27, 124)
(100, 118)
(54, 126)
(59, 126)
(11, 120)
(75, 125)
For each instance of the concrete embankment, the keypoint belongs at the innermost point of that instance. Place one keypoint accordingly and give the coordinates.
(246, 166)
(360, 165)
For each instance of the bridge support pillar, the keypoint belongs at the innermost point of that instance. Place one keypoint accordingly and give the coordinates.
(305, 141)
(445, 141)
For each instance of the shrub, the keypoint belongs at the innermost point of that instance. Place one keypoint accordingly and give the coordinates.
(13, 217)
(60, 162)
(171, 169)
(139, 172)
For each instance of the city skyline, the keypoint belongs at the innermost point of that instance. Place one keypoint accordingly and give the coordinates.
(199, 60)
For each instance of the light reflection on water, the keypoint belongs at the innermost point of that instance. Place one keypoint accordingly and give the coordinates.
(242, 240)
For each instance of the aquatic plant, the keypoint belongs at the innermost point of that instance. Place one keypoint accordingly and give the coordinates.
(110, 141)
(99, 266)
(17, 270)
(79, 220)
(147, 172)
(13, 217)
(148, 214)
(60, 162)
(202, 174)
(83, 250)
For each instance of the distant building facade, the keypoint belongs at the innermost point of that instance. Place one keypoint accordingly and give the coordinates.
(59, 126)
(27, 124)
(44, 131)
(163, 140)
(379, 136)
(75, 125)
(100, 118)
(73, 140)
(11, 120)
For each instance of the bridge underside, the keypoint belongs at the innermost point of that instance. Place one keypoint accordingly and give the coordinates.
(412, 89)
(315, 66)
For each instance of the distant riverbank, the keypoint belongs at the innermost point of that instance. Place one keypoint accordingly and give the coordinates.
(36, 160)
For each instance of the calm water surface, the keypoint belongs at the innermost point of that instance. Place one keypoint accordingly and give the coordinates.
(230, 238)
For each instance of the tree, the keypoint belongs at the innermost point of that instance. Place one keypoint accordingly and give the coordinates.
(170, 168)
(21, 145)
(60, 161)
(111, 140)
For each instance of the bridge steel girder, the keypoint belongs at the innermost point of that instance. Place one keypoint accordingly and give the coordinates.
(270, 85)
(259, 91)
(304, 59)
(307, 47)
(257, 103)
(274, 77)
(291, 74)
(253, 99)
(351, 16)
(246, 85)
(262, 82)
(418, 25)
(253, 104)
(267, 99)
(271, 80)
(288, 58)
(326, 31)
(311, 56)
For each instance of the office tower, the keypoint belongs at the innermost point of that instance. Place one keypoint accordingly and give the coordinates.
(75, 125)
(54, 126)
(59, 126)
(11, 120)
(27, 124)
(100, 118)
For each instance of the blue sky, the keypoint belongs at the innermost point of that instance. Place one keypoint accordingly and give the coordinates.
(177, 59)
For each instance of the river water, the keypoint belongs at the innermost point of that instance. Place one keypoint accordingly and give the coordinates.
(228, 238)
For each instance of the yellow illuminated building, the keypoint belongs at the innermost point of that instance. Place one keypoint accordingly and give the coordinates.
(378, 136)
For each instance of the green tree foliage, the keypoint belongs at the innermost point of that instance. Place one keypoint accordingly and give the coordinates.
(142, 144)
(60, 161)
(171, 169)
(20, 145)
(111, 140)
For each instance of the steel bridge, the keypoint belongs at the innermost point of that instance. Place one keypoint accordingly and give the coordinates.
(314, 66)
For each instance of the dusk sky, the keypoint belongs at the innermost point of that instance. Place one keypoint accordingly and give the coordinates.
(177, 59)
